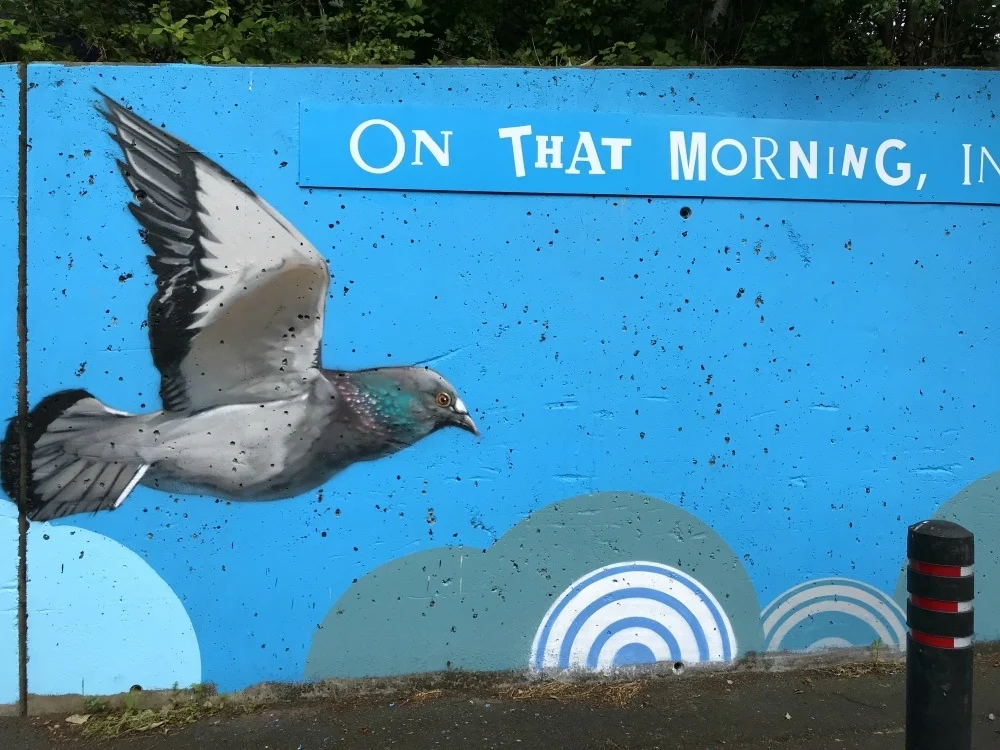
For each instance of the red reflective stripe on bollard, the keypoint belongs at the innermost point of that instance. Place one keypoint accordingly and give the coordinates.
(938, 605)
(942, 571)
(940, 641)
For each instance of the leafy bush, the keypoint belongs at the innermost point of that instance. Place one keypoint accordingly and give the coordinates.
(522, 32)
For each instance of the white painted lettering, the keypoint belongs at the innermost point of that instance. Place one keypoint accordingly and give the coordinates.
(967, 148)
(617, 145)
(688, 159)
(440, 154)
(586, 151)
(854, 162)
(984, 156)
(355, 146)
(904, 167)
(759, 158)
(717, 164)
(797, 158)
(549, 155)
(516, 134)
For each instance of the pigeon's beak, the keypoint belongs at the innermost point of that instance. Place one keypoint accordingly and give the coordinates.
(466, 423)
(463, 419)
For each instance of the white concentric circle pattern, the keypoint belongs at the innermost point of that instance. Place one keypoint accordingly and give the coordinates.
(629, 613)
(832, 613)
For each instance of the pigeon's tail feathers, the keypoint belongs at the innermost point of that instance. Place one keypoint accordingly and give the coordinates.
(62, 480)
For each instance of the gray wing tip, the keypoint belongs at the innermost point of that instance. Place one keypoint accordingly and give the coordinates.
(110, 107)
(114, 113)
(101, 94)
(121, 116)
(125, 121)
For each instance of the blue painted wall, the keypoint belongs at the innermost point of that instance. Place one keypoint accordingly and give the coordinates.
(8, 370)
(800, 380)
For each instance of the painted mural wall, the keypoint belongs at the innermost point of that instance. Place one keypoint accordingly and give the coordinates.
(353, 372)
(9, 131)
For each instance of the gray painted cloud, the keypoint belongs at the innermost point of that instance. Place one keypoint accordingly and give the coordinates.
(465, 608)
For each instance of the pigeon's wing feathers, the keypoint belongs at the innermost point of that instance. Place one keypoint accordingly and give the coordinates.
(237, 315)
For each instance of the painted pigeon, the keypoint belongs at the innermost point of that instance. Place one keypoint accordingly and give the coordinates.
(235, 329)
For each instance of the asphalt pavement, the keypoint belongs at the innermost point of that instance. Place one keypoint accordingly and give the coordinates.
(847, 706)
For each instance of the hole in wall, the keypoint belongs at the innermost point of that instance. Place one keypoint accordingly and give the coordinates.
(685, 212)
(678, 667)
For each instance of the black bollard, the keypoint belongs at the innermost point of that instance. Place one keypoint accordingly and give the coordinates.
(940, 588)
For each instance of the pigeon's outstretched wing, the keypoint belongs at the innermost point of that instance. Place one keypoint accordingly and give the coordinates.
(240, 294)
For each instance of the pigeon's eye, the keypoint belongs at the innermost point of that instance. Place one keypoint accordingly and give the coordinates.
(443, 400)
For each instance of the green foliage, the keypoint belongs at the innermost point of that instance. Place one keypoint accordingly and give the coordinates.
(521, 32)
(373, 31)
(95, 705)
(212, 31)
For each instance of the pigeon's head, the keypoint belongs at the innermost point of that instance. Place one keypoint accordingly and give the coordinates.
(435, 401)
(414, 401)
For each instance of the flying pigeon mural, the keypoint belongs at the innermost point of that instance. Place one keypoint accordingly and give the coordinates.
(713, 382)
(235, 329)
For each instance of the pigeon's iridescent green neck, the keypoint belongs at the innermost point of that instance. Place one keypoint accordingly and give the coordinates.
(390, 403)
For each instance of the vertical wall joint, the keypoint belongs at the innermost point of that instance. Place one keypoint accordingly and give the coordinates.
(22, 386)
